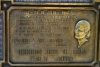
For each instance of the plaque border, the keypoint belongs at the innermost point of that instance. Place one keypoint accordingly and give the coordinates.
(57, 8)
(32, 3)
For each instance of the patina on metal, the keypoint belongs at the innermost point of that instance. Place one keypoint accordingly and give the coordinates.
(52, 36)
(82, 32)
(35, 33)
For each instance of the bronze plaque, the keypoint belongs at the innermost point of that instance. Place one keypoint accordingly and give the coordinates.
(52, 36)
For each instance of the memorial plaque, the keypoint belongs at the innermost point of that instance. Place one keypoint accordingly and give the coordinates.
(52, 36)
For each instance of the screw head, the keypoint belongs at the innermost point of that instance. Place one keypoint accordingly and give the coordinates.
(5, 5)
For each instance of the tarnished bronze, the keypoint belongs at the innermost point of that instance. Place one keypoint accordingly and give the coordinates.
(82, 32)
(52, 36)
(49, 33)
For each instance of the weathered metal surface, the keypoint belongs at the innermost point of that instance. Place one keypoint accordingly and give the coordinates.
(52, 36)
(49, 36)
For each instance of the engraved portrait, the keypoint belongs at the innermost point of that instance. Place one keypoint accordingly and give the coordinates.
(82, 32)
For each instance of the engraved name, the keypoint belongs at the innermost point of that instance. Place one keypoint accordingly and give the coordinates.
(29, 51)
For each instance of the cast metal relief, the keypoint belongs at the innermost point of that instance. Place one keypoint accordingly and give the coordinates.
(51, 35)
(82, 32)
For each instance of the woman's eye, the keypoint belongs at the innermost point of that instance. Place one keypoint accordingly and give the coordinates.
(80, 30)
